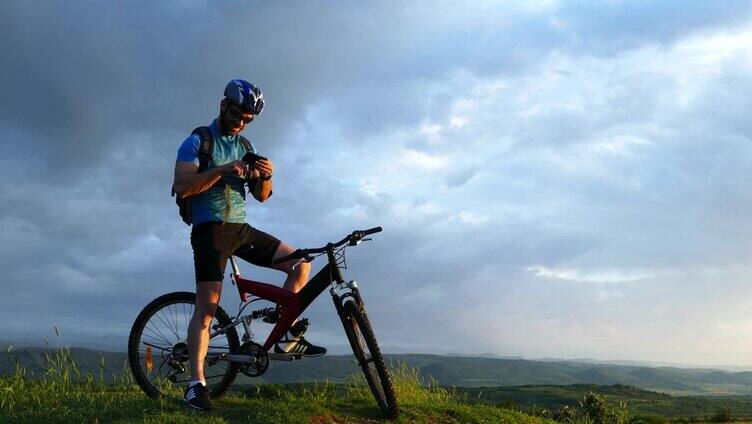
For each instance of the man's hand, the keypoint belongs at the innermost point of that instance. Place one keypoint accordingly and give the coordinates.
(265, 167)
(237, 167)
(262, 172)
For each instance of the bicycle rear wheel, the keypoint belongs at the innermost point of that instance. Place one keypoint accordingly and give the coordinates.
(367, 353)
(158, 346)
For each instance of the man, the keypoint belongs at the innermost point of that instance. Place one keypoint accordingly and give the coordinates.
(217, 208)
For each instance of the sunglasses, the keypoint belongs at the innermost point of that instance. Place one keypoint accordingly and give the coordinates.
(239, 115)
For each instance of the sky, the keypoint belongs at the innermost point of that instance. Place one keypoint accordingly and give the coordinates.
(554, 178)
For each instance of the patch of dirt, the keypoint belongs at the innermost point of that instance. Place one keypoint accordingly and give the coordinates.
(326, 419)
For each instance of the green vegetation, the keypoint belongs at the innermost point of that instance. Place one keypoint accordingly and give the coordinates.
(66, 395)
(646, 404)
(56, 390)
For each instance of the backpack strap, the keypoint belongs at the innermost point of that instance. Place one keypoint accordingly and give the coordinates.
(246, 144)
(206, 151)
(205, 155)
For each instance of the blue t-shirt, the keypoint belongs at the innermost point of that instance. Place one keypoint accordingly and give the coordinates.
(226, 200)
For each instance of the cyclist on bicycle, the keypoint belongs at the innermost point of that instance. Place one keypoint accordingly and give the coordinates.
(217, 209)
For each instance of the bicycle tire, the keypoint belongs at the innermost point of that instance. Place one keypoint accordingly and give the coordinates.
(360, 335)
(152, 310)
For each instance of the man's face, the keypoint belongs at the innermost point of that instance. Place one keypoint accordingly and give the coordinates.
(234, 118)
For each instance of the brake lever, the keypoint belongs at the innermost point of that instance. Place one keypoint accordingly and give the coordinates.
(355, 242)
(306, 258)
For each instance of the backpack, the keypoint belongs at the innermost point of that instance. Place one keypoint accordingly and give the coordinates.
(205, 155)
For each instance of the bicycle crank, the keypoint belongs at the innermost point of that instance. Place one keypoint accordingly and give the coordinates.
(261, 359)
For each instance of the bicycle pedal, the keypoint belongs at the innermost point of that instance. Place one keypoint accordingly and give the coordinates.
(292, 356)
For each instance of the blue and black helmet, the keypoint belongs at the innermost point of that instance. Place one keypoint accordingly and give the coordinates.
(245, 95)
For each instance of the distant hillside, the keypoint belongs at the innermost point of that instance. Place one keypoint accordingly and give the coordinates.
(461, 371)
(640, 402)
(32, 359)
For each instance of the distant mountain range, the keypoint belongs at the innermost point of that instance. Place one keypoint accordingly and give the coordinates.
(112, 343)
(462, 371)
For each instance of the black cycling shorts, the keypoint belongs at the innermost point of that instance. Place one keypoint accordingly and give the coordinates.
(214, 242)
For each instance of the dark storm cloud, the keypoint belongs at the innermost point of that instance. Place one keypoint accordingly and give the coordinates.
(101, 73)
(359, 120)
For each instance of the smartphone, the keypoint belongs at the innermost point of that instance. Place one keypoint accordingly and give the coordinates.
(250, 158)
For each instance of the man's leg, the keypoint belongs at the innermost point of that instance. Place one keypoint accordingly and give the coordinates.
(297, 271)
(262, 249)
(207, 299)
(297, 277)
(212, 243)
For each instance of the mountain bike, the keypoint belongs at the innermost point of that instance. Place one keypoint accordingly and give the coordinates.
(158, 345)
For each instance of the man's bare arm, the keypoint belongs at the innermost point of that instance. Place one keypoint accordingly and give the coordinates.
(261, 189)
(188, 181)
(261, 181)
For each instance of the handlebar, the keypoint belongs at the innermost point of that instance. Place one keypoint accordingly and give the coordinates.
(305, 254)
(373, 230)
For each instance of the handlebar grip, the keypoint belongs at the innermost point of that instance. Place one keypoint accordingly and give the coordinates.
(294, 255)
(372, 231)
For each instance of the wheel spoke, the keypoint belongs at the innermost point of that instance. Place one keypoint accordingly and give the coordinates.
(175, 320)
(186, 319)
(159, 339)
(171, 321)
(158, 331)
(175, 329)
(165, 321)
(166, 329)
(155, 346)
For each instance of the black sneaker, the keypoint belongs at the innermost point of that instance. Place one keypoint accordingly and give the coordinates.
(197, 397)
(293, 342)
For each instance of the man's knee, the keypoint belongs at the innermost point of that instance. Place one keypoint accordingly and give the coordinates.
(203, 315)
(302, 270)
(206, 309)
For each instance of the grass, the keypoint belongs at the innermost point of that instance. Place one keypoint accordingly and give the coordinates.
(65, 395)
(639, 402)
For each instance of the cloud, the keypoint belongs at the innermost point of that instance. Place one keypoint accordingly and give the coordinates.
(563, 175)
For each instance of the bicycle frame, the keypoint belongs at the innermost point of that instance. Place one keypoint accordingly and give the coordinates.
(291, 304)
(246, 355)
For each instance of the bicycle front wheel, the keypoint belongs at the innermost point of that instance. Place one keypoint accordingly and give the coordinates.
(367, 353)
(158, 347)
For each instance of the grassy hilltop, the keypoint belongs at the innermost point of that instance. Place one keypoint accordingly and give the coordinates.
(66, 395)
(58, 390)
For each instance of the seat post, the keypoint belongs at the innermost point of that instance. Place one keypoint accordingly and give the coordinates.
(235, 270)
